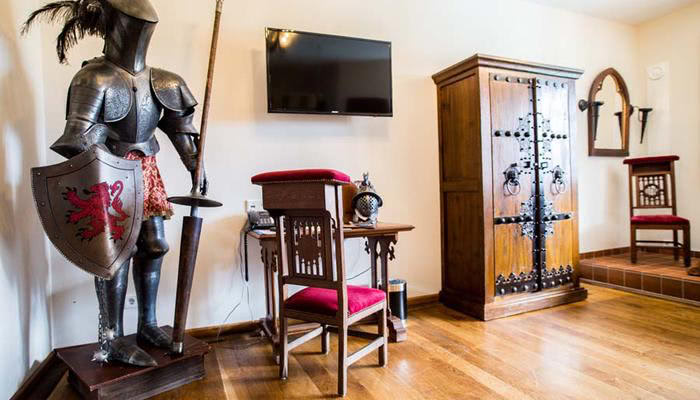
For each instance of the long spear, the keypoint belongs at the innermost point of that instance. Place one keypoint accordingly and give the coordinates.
(192, 224)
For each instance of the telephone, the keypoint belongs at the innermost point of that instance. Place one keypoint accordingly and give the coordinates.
(257, 219)
(260, 220)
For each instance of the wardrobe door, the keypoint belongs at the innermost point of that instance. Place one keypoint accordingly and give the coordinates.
(512, 134)
(460, 186)
(555, 151)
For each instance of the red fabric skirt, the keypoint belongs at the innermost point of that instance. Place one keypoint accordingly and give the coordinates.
(155, 200)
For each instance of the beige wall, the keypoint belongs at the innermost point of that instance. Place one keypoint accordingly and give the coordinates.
(673, 44)
(400, 152)
(24, 267)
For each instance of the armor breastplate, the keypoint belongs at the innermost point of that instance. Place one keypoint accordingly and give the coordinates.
(108, 105)
(136, 131)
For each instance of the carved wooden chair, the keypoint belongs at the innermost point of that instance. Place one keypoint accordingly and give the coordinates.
(307, 206)
(652, 186)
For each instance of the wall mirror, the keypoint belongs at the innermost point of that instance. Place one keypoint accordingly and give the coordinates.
(609, 112)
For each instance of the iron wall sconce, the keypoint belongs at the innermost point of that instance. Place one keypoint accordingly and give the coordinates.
(643, 118)
(583, 105)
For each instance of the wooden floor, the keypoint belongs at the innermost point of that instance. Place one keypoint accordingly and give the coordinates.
(615, 345)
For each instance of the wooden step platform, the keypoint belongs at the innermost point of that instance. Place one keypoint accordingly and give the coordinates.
(120, 381)
(654, 274)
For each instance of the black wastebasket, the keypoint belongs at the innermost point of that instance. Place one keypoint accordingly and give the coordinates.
(398, 299)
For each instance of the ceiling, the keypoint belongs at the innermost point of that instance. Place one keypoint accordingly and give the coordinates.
(632, 12)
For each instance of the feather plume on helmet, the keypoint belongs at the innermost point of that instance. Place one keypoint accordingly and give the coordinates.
(80, 18)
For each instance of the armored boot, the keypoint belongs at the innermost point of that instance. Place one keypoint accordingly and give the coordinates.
(147, 263)
(111, 295)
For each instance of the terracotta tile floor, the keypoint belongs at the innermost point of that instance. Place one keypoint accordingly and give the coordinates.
(654, 273)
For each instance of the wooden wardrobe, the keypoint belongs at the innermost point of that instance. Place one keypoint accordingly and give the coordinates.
(508, 191)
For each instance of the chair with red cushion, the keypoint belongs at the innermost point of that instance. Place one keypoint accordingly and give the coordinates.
(650, 179)
(307, 206)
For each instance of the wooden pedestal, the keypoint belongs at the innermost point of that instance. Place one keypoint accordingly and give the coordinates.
(120, 381)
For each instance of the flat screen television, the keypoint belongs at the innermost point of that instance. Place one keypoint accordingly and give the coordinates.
(311, 73)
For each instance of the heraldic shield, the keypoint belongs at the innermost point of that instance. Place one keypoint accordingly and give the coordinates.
(91, 207)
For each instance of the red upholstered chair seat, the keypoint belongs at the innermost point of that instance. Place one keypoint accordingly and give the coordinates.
(325, 301)
(659, 220)
(330, 175)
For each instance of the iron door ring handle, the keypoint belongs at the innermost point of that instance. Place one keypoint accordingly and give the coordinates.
(558, 181)
(512, 183)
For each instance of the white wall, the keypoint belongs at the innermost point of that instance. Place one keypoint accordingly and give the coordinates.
(400, 152)
(673, 43)
(24, 262)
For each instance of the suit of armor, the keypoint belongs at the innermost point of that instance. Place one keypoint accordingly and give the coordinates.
(118, 101)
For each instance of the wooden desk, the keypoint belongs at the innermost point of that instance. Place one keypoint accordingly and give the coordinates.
(379, 245)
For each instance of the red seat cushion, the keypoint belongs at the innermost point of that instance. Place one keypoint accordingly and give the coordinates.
(659, 220)
(301, 175)
(325, 301)
(651, 160)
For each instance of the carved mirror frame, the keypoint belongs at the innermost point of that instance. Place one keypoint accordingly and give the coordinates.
(622, 90)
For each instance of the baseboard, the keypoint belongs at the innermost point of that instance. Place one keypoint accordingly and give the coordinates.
(211, 333)
(604, 253)
(417, 301)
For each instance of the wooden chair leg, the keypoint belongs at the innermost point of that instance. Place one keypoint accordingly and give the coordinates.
(284, 347)
(676, 246)
(633, 245)
(342, 360)
(686, 245)
(383, 349)
(325, 340)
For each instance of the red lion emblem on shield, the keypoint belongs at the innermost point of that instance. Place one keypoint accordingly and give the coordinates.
(96, 207)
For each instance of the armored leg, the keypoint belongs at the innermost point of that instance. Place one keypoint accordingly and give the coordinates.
(147, 263)
(110, 296)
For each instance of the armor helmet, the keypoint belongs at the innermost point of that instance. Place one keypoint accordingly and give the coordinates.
(126, 26)
(139, 9)
(366, 202)
(129, 33)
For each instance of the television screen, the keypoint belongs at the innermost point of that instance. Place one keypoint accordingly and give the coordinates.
(323, 74)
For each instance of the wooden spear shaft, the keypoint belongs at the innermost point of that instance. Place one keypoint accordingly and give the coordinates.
(207, 95)
(192, 225)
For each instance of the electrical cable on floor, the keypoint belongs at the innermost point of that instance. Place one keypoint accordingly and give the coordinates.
(245, 288)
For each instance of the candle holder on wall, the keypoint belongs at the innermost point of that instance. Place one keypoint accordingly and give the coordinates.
(643, 118)
(583, 105)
